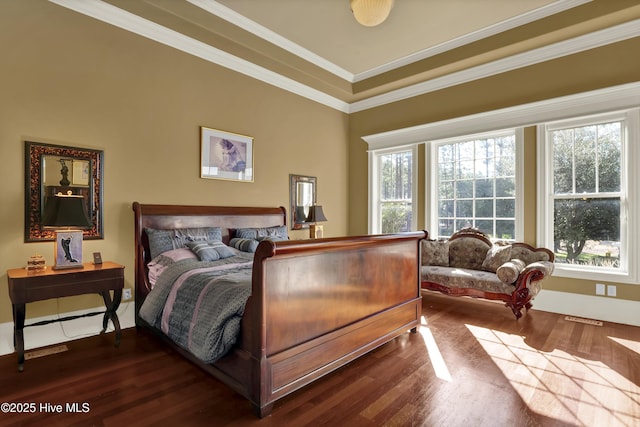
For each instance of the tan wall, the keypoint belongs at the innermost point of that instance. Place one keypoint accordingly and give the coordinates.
(599, 68)
(70, 80)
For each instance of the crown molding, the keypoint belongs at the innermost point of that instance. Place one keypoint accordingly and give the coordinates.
(125, 20)
(233, 17)
(586, 103)
(509, 24)
(557, 50)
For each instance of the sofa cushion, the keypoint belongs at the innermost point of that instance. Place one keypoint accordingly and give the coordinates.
(467, 252)
(435, 252)
(452, 277)
(522, 252)
(496, 256)
(510, 270)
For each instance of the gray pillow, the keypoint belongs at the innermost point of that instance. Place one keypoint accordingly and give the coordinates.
(245, 245)
(279, 231)
(165, 240)
(496, 256)
(210, 251)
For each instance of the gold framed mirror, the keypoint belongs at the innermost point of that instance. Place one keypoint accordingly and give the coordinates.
(50, 169)
(302, 196)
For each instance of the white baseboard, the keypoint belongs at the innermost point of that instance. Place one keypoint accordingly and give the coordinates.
(58, 332)
(588, 306)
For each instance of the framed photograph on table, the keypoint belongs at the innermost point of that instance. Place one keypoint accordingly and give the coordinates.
(225, 155)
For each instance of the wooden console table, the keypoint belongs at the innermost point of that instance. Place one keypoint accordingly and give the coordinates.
(26, 286)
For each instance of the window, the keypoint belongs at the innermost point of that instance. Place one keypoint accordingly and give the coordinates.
(476, 184)
(585, 196)
(392, 190)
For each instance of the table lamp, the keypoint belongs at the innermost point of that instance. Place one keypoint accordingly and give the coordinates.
(66, 214)
(315, 215)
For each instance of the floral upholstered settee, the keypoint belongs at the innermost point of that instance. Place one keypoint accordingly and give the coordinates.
(469, 264)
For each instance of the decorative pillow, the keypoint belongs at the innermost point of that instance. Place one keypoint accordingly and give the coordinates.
(496, 256)
(467, 252)
(165, 240)
(510, 270)
(210, 251)
(164, 260)
(254, 233)
(245, 245)
(435, 252)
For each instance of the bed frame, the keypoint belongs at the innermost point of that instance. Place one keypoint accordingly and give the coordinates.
(315, 305)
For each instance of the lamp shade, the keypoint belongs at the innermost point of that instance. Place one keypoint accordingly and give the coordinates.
(65, 211)
(371, 12)
(315, 214)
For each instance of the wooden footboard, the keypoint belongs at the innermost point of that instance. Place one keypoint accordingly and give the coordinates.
(315, 305)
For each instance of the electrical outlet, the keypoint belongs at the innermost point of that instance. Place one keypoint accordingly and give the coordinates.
(599, 289)
(611, 290)
(126, 294)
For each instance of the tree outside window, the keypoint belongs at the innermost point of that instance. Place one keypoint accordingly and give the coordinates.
(587, 194)
(477, 185)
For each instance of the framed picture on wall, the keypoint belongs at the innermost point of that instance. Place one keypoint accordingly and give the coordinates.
(225, 155)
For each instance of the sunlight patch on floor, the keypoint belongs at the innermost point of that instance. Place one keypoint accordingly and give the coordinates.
(437, 361)
(631, 345)
(562, 386)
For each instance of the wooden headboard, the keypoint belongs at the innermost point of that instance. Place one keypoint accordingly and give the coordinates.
(165, 217)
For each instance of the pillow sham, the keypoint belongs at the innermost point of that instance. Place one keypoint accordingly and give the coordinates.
(244, 245)
(165, 240)
(210, 251)
(496, 256)
(279, 231)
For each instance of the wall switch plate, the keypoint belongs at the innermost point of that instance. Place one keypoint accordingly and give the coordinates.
(126, 294)
(611, 290)
(599, 289)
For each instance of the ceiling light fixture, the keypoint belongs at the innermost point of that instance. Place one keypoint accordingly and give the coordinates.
(371, 12)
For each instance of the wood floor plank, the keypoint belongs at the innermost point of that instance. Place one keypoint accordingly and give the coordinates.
(471, 364)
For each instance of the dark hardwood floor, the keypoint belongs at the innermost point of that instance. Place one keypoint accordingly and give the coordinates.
(471, 364)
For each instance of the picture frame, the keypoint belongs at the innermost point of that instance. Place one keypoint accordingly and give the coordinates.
(67, 251)
(226, 155)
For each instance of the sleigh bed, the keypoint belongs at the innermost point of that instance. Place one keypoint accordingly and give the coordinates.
(314, 305)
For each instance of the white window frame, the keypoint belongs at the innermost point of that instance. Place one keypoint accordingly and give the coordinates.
(629, 201)
(431, 160)
(375, 226)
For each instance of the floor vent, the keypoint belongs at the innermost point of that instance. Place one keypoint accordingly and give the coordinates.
(41, 352)
(581, 320)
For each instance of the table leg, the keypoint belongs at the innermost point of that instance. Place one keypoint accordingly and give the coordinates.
(18, 333)
(112, 306)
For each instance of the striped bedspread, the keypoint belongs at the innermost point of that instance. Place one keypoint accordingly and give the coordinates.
(199, 304)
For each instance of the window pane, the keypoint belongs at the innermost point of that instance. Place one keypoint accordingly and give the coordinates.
(464, 189)
(505, 229)
(446, 228)
(464, 208)
(609, 143)
(445, 191)
(484, 208)
(587, 231)
(563, 161)
(505, 208)
(485, 225)
(394, 199)
(505, 187)
(445, 209)
(396, 217)
(484, 188)
(483, 181)
(584, 150)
